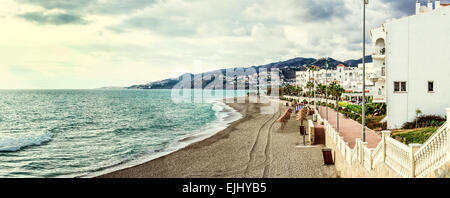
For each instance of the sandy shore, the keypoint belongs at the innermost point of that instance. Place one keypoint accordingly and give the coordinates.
(253, 147)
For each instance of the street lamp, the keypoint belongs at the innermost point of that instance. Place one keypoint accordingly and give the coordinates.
(314, 89)
(326, 85)
(364, 74)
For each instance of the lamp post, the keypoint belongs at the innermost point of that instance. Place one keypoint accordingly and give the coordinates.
(314, 89)
(326, 86)
(364, 74)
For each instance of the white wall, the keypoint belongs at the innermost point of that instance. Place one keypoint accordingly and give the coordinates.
(417, 51)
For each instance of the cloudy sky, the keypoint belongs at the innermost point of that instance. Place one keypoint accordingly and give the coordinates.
(94, 43)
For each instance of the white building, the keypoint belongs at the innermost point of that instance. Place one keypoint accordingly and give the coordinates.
(417, 63)
(350, 79)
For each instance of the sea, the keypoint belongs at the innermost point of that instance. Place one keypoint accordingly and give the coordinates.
(86, 133)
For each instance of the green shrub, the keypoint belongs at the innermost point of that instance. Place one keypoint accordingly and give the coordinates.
(417, 136)
(425, 121)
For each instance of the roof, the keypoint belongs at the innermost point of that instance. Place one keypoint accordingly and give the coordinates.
(445, 4)
(315, 67)
(341, 65)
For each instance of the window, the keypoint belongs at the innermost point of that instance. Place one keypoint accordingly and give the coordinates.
(430, 86)
(399, 86)
(403, 86)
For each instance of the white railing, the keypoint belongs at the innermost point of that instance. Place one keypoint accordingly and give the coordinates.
(354, 155)
(433, 154)
(378, 154)
(414, 160)
(398, 156)
(348, 154)
(367, 158)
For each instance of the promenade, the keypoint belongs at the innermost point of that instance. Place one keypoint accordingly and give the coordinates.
(349, 129)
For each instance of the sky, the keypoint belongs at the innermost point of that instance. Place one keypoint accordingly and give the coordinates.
(84, 44)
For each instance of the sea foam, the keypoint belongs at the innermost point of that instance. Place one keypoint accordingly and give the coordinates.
(10, 144)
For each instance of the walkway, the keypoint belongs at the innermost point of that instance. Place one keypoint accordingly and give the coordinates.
(350, 129)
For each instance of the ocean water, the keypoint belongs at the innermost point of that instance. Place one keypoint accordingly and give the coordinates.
(83, 133)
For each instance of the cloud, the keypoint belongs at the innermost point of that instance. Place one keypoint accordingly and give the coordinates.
(92, 6)
(169, 27)
(324, 9)
(403, 7)
(60, 4)
(125, 42)
(53, 19)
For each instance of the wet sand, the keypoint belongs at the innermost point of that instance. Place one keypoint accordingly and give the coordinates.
(252, 147)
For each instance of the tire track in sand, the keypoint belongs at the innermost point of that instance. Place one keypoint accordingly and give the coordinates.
(252, 152)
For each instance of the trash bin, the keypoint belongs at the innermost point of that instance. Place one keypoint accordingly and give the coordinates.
(327, 156)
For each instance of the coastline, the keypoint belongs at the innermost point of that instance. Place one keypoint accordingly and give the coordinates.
(226, 115)
(251, 147)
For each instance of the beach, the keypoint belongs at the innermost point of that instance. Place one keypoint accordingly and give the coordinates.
(252, 147)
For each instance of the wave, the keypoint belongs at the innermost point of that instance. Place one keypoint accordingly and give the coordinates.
(17, 143)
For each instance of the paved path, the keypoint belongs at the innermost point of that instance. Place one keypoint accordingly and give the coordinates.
(350, 129)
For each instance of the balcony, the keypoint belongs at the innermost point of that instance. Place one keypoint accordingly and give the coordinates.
(381, 55)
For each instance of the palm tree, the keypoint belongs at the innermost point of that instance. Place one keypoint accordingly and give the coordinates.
(336, 91)
(311, 69)
(418, 112)
(310, 86)
(298, 90)
(321, 90)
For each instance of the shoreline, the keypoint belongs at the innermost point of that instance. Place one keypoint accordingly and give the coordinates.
(193, 137)
(251, 147)
(225, 117)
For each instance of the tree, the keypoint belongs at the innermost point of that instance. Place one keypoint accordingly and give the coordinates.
(336, 91)
(309, 86)
(418, 112)
(311, 69)
(298, 90)
(321, 90)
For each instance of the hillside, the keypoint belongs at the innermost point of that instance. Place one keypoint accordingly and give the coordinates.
(287, 70)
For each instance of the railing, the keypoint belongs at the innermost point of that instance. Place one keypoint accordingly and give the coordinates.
(378, 154)
(354, 155)
(397, 156)
(367, 158)
(414, 160)
(433, 154)
(348, 154)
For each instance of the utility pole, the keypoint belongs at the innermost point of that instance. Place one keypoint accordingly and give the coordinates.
(364, 74)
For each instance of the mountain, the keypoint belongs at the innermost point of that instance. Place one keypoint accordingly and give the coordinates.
(287, 70)
(292, 63)
(354, 63)
(332, 63)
